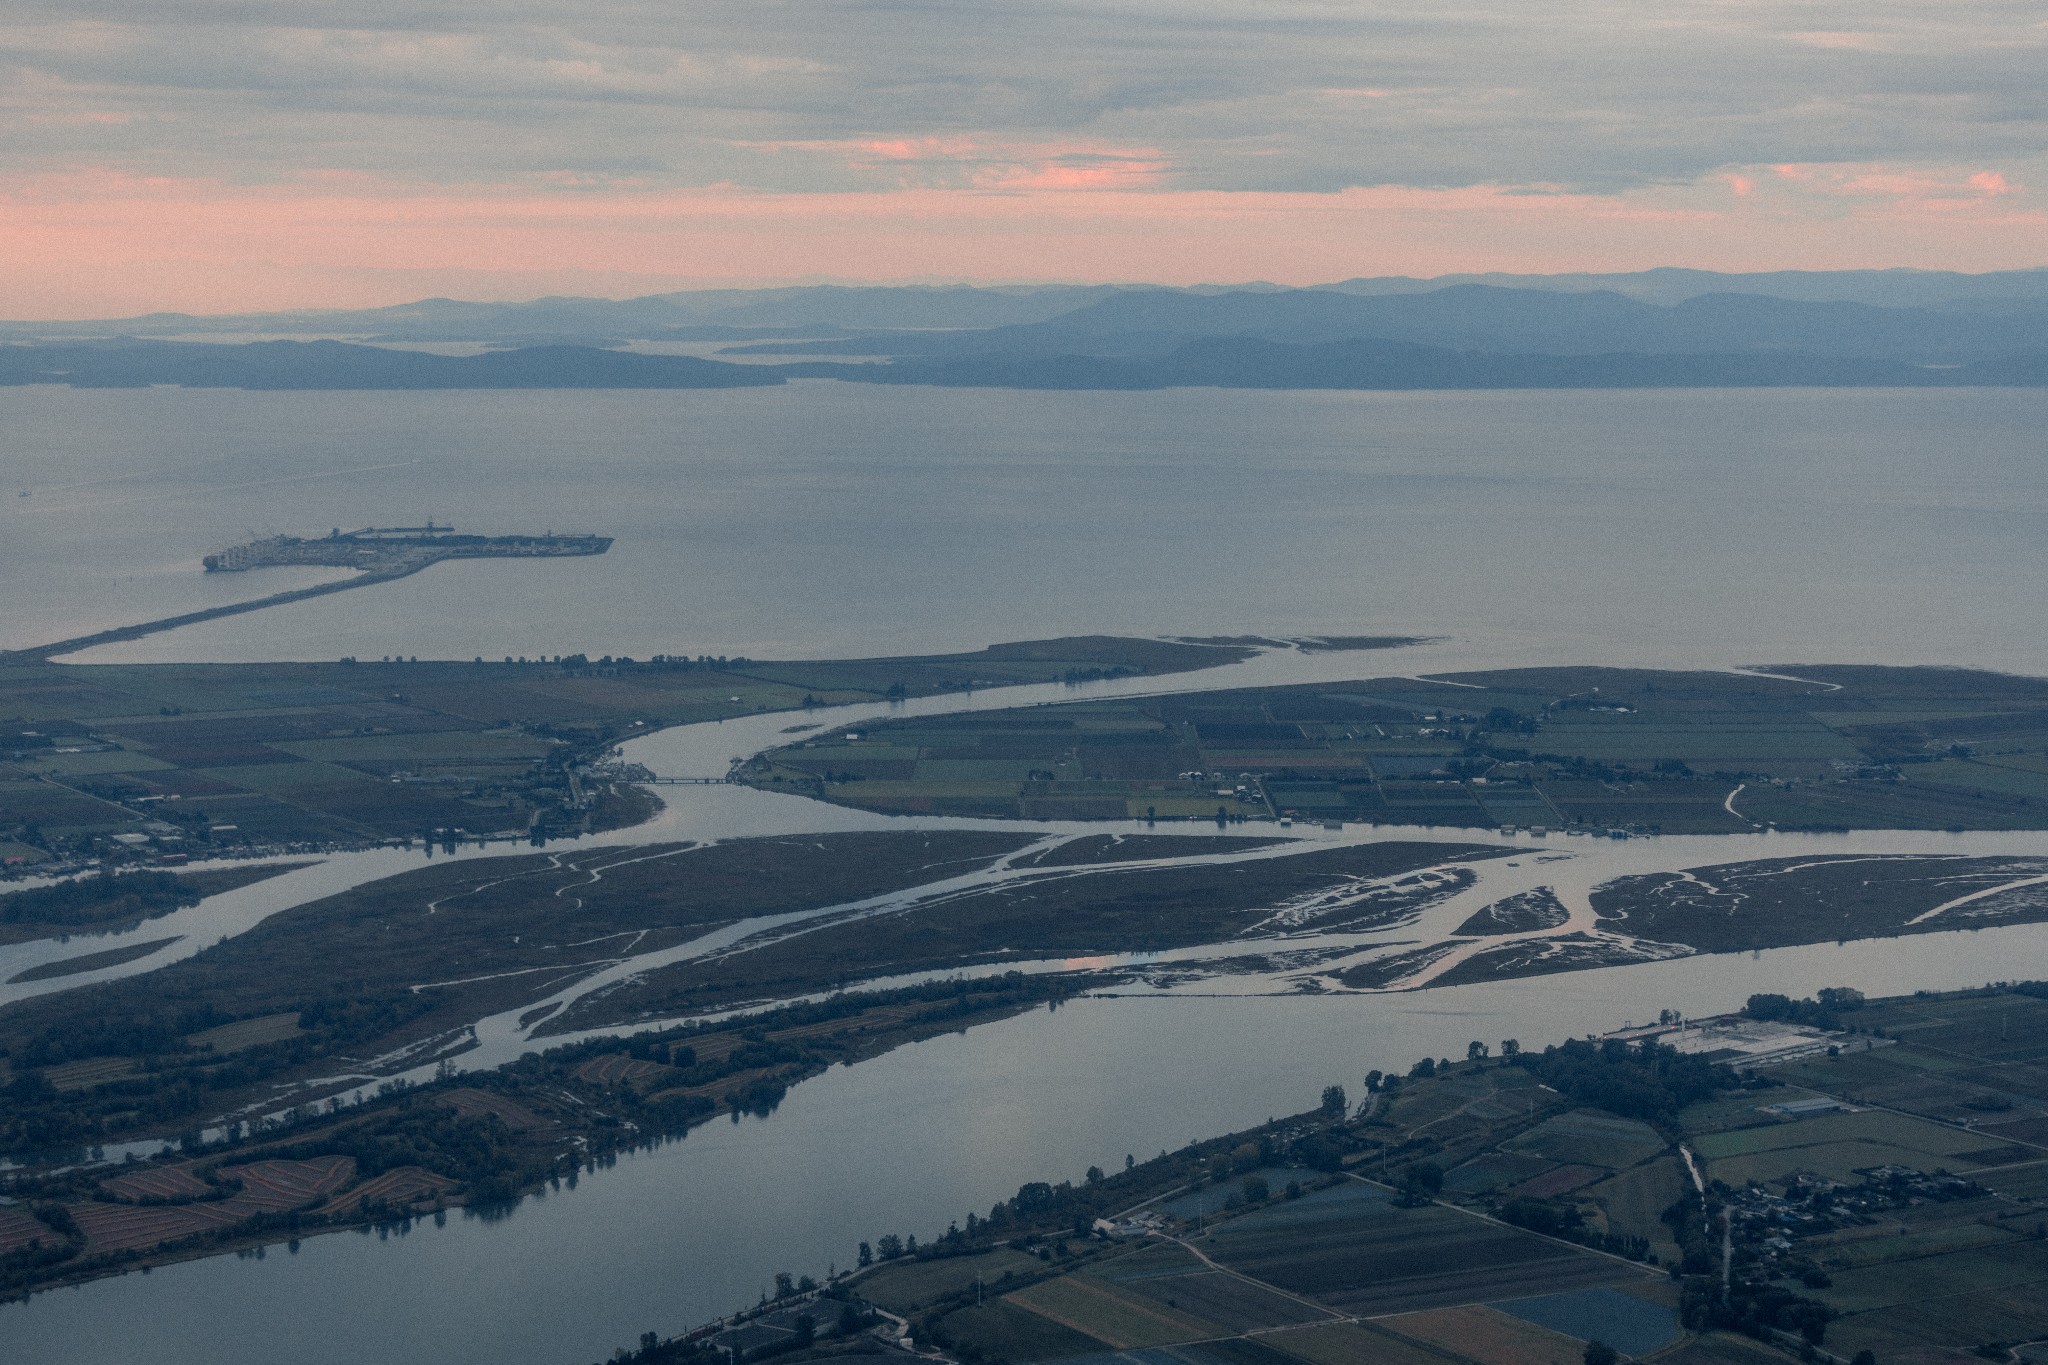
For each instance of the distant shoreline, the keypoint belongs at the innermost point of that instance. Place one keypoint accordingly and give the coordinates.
(1228, 362)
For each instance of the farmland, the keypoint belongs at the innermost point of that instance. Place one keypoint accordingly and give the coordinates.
(1269, 1248)
(1925, 1244)
(1417, 1230)
(205, 758)
(1356, 1250)
(1568, 748)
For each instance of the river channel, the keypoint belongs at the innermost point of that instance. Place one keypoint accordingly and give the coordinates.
(909, 1141)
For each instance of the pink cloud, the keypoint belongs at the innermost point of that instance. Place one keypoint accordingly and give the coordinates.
(98, 243)
(1841, 40)
(973, 161)
(1903, 188)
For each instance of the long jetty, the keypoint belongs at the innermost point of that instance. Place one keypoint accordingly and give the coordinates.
(378, 556)
(43, 653)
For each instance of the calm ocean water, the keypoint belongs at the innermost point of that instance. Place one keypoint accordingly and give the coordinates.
(1651, 528)
(824, 519)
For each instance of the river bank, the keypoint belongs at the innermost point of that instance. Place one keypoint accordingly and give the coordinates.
(1040, 1093)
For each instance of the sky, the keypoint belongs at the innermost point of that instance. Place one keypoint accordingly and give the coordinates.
(227, 155)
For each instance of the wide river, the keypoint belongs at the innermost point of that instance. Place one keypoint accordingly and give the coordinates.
(1651, 528)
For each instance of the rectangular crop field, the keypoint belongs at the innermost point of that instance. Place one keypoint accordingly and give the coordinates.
(1587, 1136)
(1635, 1200)
(906, 1286)
(1927, 1329)
(19, 1228)
(1112, 1314)
(1837, 1145)
(1915, 1283)
(1234, 1304)
(1003, 1331)
(1627, 1322)
(1488, 1336)
(1366, 1256)
(1354, 1343)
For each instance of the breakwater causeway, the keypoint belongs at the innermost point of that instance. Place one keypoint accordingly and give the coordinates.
(380, 554)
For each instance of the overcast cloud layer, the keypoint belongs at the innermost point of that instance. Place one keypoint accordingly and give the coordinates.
(1941, 103)
(829, 94)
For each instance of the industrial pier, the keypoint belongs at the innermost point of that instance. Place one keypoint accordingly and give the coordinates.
(395, 550)
(381, 553)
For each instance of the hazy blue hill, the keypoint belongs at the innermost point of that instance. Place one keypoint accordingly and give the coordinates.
(1945, 289)
(1490, 311)
(341, 365)
(1257, 363)
(1520, 345)
(909, 306)
(1475, 317)
(806, 310)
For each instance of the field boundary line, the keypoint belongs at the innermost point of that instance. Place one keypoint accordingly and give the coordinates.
(1636, 1266)
(1939, 1123)
(1247, 1279)
(1049, 1315)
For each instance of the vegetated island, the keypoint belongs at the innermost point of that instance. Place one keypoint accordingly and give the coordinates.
(1861, 1178)
(299, 1004)
(1579, 750)
(298, 1008)
(113, 902)
(121, 763)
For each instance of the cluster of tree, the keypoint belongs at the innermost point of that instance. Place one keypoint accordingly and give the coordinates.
(1756, 1310)
(1824, 1012)
(1563, 1220)
(1650, 1081)
(420, 1130)
(1504, 720)
(97, 900)
(788, 1062)
(172, 1080)
(1042, 1210)
(947, 1000)
(1421, 1182)
(1694, 1228)
(24, 1266)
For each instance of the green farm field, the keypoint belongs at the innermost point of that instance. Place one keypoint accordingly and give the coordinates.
(1108, 1313)
(909, 1285)
(1356, 1251)
(1908, 748)
(1355, 1343)
(1486, 1335)
(1837, 1146)
(356, 752)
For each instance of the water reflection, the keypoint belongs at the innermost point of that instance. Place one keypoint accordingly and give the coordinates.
(689, 1229)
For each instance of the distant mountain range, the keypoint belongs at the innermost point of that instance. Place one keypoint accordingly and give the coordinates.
(1473, 317)
(345, 365)
(1661, 328)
